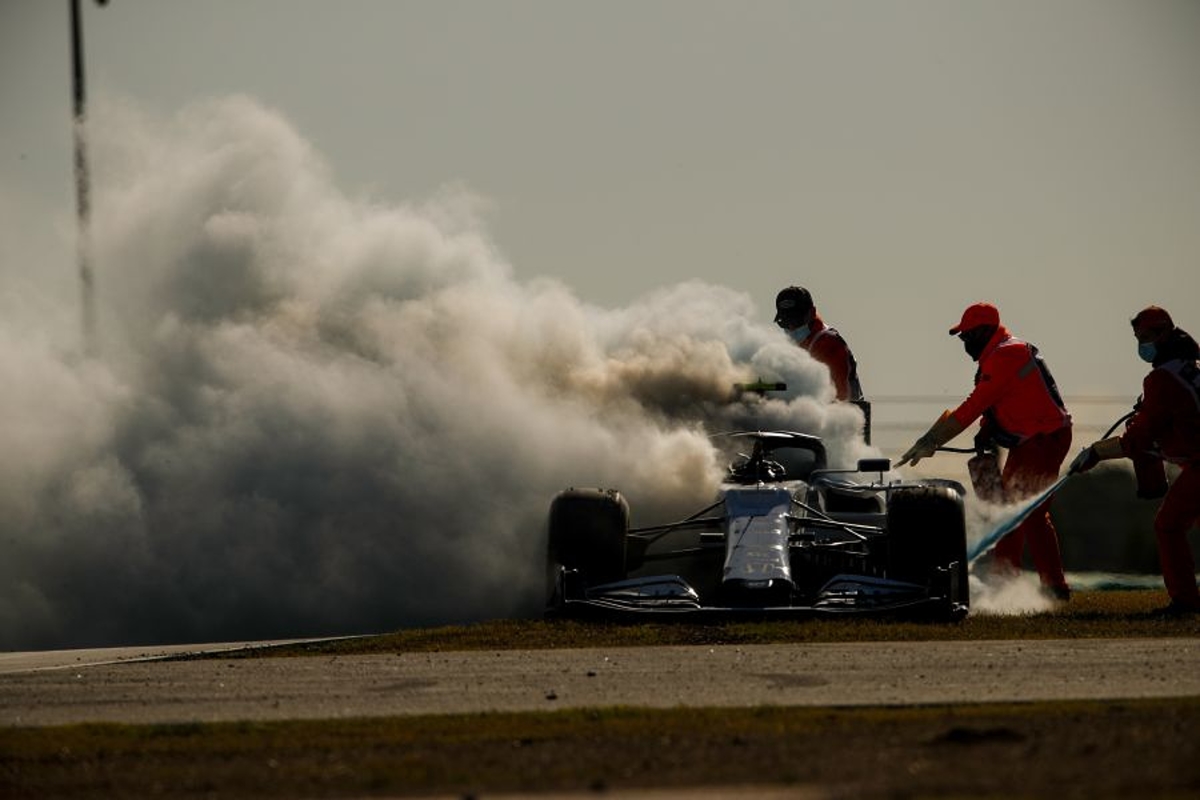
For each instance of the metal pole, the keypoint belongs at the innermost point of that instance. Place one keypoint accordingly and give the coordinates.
(82, 184)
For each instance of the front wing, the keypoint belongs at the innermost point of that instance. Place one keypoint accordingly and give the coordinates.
(670, 596)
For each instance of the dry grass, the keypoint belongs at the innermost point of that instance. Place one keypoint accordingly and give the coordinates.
(1123, 614)
(1003, 750)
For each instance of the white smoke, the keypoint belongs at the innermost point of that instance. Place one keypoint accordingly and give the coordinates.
(995, 592)
(314, 414)
(1010, 596)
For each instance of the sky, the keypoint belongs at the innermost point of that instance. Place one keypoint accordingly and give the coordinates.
(371, 268)
(900, 159)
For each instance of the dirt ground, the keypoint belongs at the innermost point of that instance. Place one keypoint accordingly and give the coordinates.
(1079, 749)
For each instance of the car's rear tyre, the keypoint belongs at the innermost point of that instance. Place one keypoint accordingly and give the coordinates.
(927, 533)
(588, 529)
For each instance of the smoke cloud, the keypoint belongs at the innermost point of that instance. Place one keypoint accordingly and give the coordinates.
(314, 414)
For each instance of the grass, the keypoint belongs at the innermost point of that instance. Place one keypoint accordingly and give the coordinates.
(929, 751)
(1095, 614)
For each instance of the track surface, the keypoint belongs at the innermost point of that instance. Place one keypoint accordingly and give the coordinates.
(68, 687)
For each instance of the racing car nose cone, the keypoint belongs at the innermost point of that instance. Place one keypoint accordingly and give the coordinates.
(756, 593)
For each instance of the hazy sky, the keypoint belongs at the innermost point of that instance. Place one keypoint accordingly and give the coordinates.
(901, 159)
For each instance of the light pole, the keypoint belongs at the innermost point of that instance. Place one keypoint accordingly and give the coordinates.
(82, 184)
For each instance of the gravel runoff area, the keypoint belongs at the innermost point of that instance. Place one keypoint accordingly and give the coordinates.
(860, 674)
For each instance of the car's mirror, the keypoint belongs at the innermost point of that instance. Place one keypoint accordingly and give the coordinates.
(874, 465)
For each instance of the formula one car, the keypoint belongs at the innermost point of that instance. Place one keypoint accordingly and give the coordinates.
(785, 536)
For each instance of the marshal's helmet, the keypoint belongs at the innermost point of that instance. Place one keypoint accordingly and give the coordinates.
(792, 307)
(1151, 323)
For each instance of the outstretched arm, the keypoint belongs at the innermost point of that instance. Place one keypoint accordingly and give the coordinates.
(1094, 453)
(942, 431)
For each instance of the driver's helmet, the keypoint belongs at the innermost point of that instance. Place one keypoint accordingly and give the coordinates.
(792, 307)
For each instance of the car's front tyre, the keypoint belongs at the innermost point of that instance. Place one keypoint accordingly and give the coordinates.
(927, 538)
(587, 538)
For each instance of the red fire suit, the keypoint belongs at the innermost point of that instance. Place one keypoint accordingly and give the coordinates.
(1167, 422)
(1026, 414)
(826, 345)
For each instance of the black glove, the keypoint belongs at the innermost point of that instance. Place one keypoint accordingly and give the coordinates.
(984, 443)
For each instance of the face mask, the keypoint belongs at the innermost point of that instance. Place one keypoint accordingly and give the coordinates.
(799, 334)
(1147, 351)
(975, 340)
